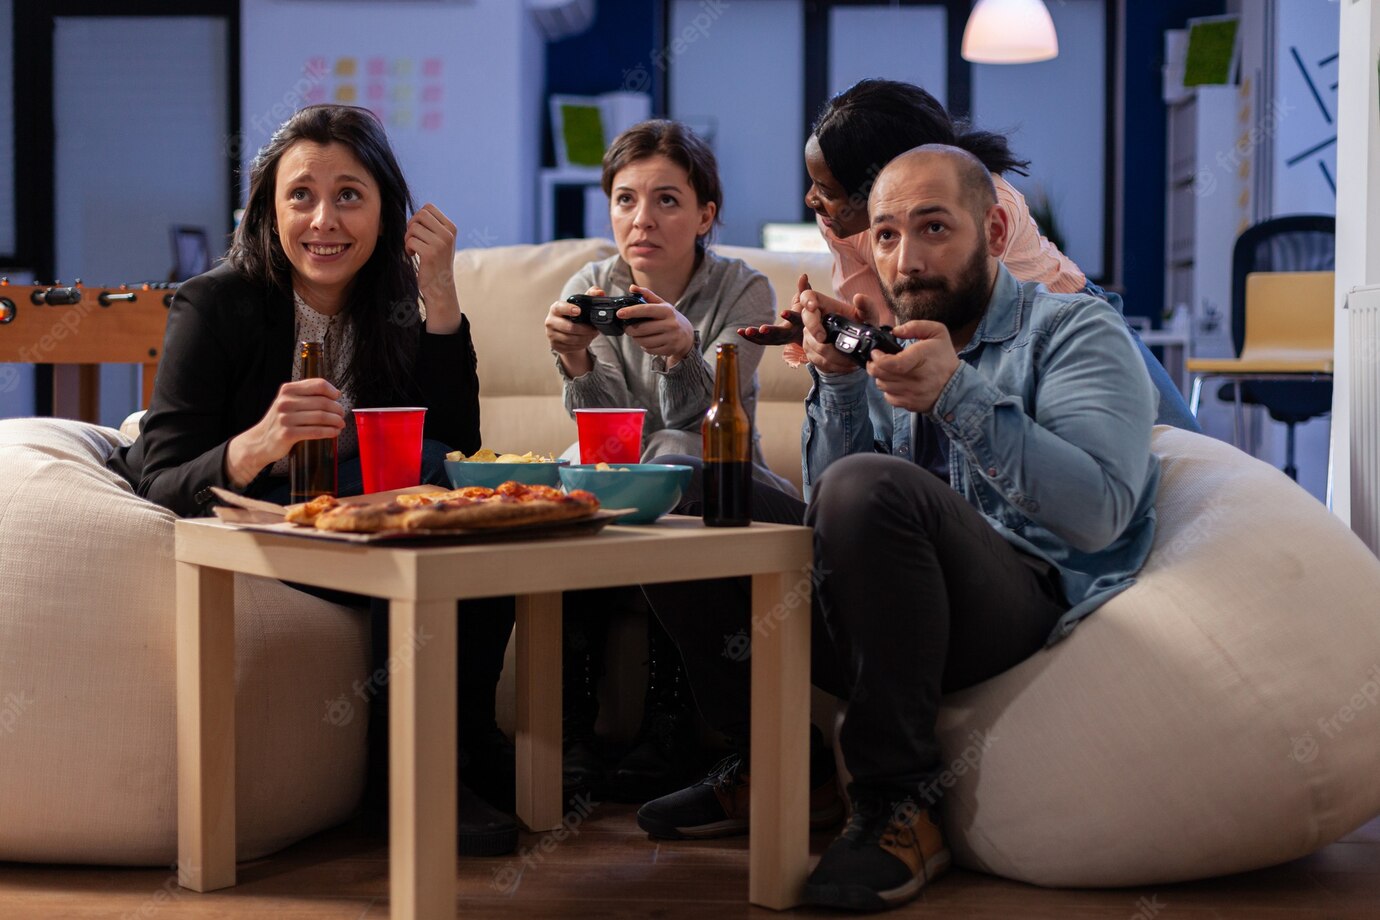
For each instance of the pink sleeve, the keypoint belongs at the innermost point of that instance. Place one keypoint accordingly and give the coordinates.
(854, 272)
(1028, 255)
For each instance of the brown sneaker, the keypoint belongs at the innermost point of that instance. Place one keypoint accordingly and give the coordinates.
(890, 850)
(717, 806)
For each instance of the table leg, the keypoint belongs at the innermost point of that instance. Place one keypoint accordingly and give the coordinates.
(422, 758)
(779, 833)
(205, 643)
(539, 711)
(1236, 415)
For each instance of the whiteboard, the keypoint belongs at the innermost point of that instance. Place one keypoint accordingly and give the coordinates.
(457, 84)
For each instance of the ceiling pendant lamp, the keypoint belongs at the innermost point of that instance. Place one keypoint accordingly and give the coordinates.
(1009, 32)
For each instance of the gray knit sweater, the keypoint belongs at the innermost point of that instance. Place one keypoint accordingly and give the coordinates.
(722, 296)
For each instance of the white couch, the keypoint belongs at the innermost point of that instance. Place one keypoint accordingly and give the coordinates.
(87, 723)
(1221, 715)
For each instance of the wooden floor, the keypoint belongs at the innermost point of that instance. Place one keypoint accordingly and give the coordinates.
(609, 869)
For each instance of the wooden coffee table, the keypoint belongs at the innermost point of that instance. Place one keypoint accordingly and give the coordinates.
(422, 586)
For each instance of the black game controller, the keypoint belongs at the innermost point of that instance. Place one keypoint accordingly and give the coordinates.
(859, 340)
(602, 312)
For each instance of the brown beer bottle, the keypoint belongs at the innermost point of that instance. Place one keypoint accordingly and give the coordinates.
(727, 433)
(312, 464)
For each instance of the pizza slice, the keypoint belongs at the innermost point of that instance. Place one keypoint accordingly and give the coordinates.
(472, 508)
(422, 499)
(306, 514)
(500, 511)
(363, 518)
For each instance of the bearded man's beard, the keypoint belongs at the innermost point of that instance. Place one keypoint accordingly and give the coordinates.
(955, 305)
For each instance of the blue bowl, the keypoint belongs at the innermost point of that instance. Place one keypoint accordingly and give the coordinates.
(464, 473)
(651, 488)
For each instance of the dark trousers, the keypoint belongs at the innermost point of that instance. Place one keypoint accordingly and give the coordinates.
(483, 629)
(915, 595)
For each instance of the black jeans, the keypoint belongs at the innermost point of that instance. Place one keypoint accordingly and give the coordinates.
(915, 595)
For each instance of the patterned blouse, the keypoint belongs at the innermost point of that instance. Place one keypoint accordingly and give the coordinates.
(337, 338)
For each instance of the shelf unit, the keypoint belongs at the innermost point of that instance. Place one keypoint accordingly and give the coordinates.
(1207, 205)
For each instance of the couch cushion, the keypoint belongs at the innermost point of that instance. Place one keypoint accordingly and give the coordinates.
(1221, 715)
(506, 292)
(87, 709)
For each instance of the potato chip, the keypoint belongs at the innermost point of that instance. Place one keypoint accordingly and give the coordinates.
(485, 455)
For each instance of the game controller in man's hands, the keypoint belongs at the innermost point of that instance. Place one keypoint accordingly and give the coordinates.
(859, 340)
(602, 312)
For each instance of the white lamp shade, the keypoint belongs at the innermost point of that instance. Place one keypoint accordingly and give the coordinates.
(1009, 32)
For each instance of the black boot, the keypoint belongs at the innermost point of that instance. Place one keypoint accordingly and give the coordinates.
(583, 768)
(666, 754)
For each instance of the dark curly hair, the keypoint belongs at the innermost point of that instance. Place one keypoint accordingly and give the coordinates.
(873, 121)
(381, 302)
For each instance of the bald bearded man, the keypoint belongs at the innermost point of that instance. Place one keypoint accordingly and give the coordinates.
(973, 498)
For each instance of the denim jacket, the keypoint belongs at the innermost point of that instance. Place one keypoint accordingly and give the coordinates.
(1048, 419)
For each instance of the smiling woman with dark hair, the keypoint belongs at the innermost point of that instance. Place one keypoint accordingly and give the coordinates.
(327, 251)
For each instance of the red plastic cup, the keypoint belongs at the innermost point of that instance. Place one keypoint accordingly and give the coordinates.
(390, 447)
(610, 435)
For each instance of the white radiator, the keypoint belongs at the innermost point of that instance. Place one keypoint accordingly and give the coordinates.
(1363, 376)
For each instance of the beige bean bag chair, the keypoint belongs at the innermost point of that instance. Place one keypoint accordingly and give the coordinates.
(1221, 715)
(88, 762)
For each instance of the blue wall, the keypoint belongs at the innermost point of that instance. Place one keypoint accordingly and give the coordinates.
(1143, 164)
(616, 53)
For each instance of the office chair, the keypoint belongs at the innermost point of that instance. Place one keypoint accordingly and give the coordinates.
(1295, 243)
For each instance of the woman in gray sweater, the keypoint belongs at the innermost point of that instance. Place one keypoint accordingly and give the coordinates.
(664, 199)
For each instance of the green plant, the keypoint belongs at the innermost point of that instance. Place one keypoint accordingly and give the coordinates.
(1042, 210)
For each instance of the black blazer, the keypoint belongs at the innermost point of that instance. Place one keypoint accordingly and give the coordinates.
(228, 348)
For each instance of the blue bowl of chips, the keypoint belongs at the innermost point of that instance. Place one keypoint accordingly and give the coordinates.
(651, 489)
(490, 473)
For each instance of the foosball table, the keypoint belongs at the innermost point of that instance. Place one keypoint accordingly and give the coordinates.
(77, 328)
